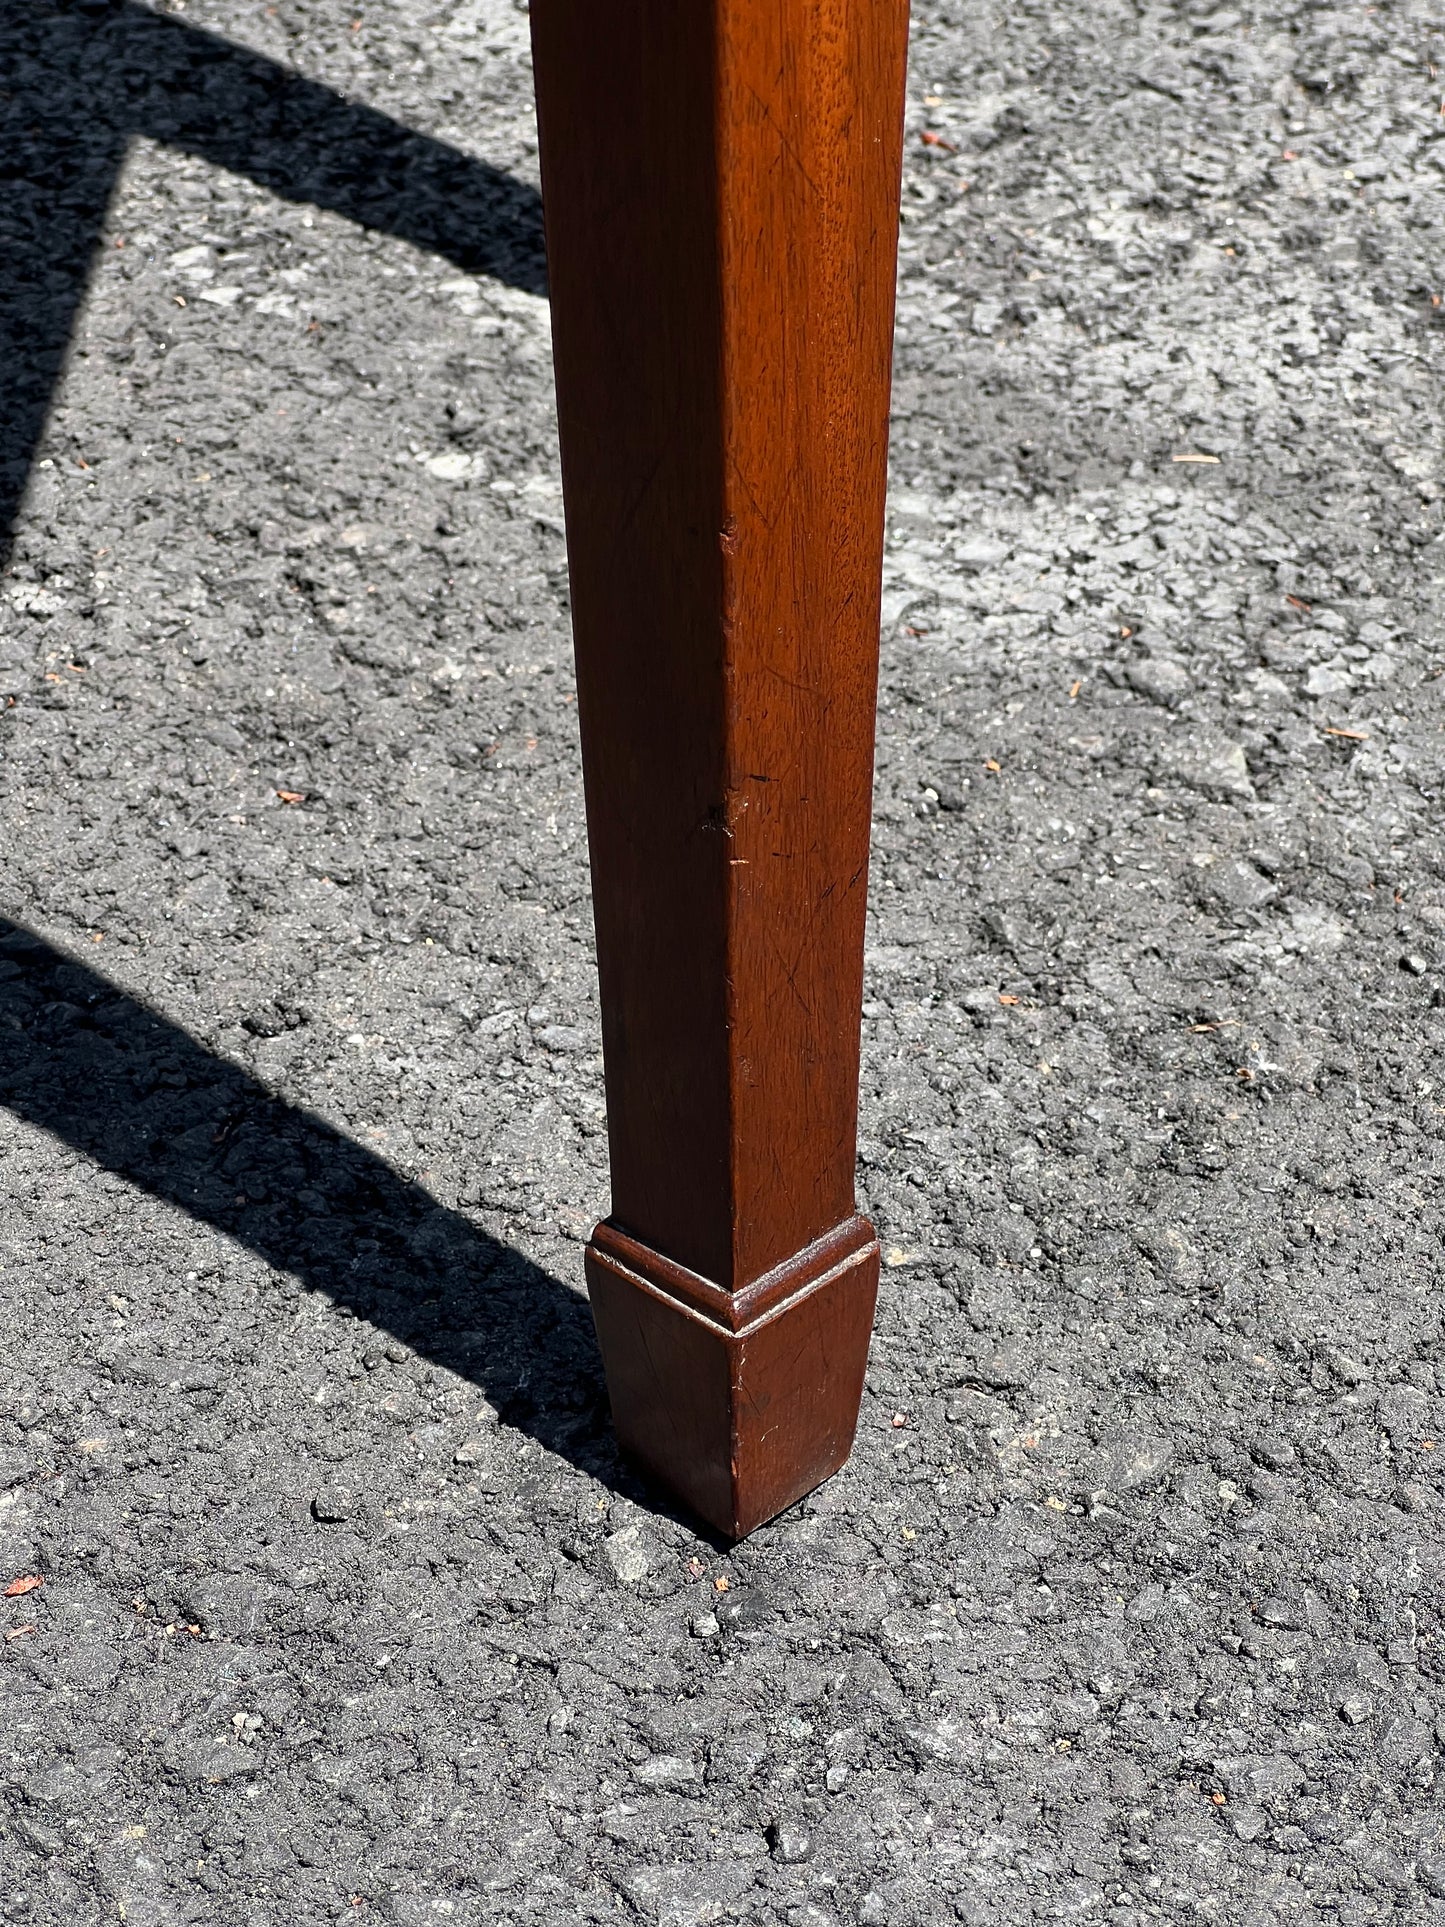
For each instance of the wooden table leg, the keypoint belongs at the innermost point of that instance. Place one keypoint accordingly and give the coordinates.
(720, 182)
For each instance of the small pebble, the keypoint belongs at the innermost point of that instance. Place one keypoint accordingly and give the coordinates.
(789, 1842)
(1356, 1708)
(630, 1553)
(704, 1625)
(665, 1770)
(1416, 965)
(1159, 679)
(333, 1504)
(1279, 1612)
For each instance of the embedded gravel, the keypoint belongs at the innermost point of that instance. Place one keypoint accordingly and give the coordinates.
(1129, 1605)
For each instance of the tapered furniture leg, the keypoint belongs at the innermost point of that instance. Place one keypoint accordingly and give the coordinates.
(720, 180)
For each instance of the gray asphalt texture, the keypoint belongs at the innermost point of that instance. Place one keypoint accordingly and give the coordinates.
(1129, 1604)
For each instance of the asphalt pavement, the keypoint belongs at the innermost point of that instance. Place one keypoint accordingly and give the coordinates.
(326, 1594)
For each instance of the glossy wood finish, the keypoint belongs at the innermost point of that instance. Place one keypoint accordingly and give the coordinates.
(739, 1401)
(720, 182)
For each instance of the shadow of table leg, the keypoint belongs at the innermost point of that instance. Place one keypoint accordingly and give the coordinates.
(118, 1082)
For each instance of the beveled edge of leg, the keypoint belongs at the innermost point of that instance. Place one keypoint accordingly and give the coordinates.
(740, 1403)
(734, 1311)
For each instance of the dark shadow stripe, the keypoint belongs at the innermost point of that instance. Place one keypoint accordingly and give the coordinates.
(82, 82)
(141, 1097)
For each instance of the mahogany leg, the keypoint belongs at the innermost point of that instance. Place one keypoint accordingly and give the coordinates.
(720, 181)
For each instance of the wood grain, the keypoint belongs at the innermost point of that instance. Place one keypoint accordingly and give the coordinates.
(740, 1403)
(720, 184)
